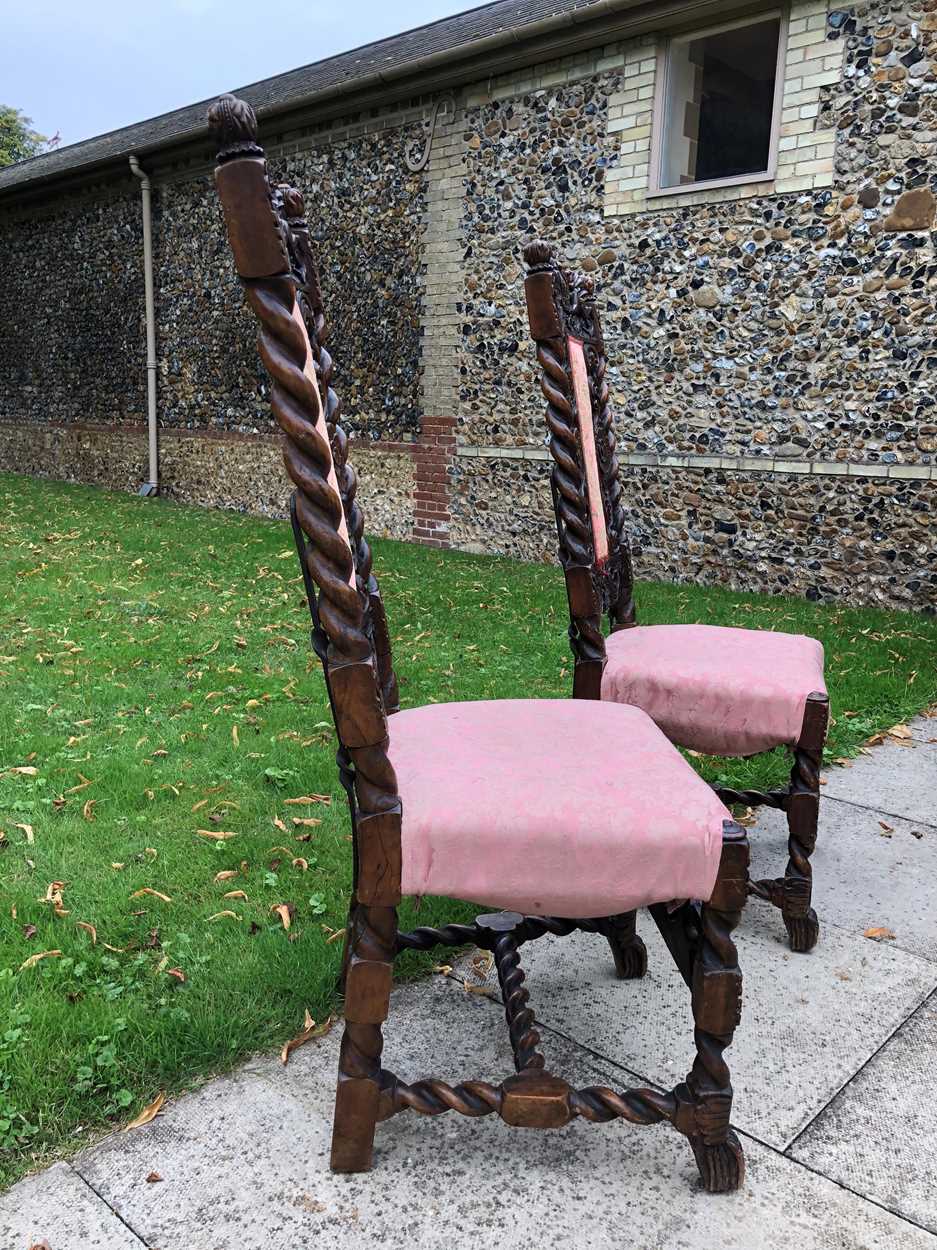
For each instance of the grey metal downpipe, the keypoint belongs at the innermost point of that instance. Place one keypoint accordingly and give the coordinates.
(151, 485)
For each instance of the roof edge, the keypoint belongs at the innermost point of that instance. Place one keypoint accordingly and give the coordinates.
(523, 44)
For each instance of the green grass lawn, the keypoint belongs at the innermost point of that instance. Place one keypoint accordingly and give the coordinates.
(156, 681)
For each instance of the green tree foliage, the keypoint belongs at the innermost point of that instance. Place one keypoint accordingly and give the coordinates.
(17, 138)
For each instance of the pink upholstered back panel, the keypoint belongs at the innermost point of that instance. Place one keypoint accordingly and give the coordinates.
(577, 363)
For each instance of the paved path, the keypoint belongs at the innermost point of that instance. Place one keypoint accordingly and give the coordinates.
(834, 1069)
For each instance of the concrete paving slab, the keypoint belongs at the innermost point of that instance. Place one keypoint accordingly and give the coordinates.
(924, 728)
(809, 1021)
(58, 1207)
(871, 871)
(880, 1134)
(246, 1166)
(896, 778)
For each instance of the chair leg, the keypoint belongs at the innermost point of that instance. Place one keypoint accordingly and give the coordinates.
(803, 808)
(717, 1002)
(346, 947)
(628, 951)
(368, 976)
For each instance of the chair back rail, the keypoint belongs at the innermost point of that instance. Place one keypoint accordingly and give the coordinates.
(271, 266)
(586, 486)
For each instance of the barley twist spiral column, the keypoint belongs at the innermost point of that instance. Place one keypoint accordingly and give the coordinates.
(313, 309)
(517, 1011)
(622, 611)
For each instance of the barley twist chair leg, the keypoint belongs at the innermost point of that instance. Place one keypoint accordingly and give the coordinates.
(628, 950)
(803, 809)
(717, 1002)
(800, 919)
(368, 976)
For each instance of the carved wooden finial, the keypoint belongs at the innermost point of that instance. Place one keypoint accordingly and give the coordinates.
(233, 126)
(292, 200)
(538, 254)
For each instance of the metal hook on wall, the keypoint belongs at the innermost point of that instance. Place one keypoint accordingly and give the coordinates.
(416, 157)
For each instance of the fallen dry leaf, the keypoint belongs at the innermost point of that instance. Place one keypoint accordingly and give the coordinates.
(310, 1031)
(235, 894)
(88, 810)
(278, 824)
(153, 894)
(177, 973)
(219, 914)
(899, 731)
(153, 1178)
(226, 875)
(83, 785)
(301, 864)
(234, 736)
(117, 867)
(200, 804)
(148, 1113)
(880, 934)
(305, 821)
(217, 835)
(285, 912)
(482, 963)
(333, 937)
(53, 895)
(28, 830)
(26, 770)
(311, 798)
(34, 959)
(88, 928)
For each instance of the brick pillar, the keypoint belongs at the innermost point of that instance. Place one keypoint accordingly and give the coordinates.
(432, 458)
(442, 295)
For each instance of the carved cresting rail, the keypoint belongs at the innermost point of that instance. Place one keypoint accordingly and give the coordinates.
(269, 240)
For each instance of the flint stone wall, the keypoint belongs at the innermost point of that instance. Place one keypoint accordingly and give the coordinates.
(71, 311)
(772, 352)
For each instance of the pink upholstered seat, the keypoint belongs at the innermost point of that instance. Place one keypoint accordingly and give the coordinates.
(714, 689)
(563, 807)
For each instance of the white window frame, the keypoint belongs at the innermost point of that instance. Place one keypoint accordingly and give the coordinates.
(661, 92)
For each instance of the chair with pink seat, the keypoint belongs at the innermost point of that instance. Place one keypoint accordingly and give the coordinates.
(712, 689)
(515, 804)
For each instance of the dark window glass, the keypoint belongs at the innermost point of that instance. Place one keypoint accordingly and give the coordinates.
(720, 104)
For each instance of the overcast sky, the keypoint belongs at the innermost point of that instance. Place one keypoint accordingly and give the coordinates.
(82, 67)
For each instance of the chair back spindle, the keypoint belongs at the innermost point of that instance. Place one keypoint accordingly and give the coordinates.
(290, 205)
(590, 520)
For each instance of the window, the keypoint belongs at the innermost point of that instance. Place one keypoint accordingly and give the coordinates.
(716, 114)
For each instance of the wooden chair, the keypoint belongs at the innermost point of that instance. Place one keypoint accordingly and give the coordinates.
(521, 804)
(720, 691)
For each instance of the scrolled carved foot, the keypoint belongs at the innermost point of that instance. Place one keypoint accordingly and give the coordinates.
(630, 958)
(721, 1167)
(802, 931)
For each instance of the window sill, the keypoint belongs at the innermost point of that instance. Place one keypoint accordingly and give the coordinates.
(763, 178)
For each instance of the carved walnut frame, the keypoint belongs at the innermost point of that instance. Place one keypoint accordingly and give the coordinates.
(270, 242)
(562, 311)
